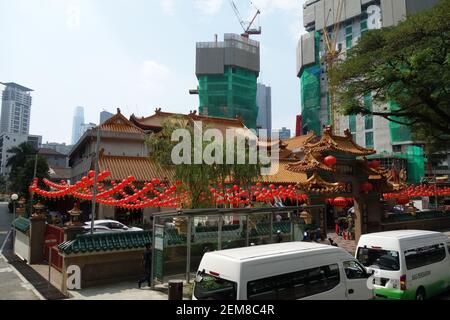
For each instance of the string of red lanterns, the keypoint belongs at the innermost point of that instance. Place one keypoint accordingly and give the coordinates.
(158, 194)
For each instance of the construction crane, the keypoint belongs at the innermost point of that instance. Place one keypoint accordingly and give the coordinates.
(246, 26)
(330, 58)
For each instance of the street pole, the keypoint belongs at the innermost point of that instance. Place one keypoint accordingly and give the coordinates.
(94, 192)
(14, 224)
(34, 177)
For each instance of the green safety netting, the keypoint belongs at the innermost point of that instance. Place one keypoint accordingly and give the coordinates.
(229, 95)
(399, 133)
(310, 94)
(416, 164)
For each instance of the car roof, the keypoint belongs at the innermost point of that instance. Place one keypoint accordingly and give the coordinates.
(402, 234)
(261, 251)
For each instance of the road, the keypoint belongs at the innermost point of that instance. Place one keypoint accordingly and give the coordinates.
(5, 221)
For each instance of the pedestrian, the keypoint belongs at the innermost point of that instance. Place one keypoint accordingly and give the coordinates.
(279, 237)
(336, 227)
(147, 264)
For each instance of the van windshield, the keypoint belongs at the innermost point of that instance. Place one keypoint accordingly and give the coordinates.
(208, 287)
(384, 259)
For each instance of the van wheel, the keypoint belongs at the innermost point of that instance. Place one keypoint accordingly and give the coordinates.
(420, 294)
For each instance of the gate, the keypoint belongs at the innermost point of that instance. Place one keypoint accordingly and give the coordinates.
(52, 238)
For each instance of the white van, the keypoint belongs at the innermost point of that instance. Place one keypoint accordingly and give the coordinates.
(408, 264)
(284, 271)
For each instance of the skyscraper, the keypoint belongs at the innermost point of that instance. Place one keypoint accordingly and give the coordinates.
(105, 115)
(351, 22)
(264, 102)
(78, 121)
(16, 109)
(227, 74)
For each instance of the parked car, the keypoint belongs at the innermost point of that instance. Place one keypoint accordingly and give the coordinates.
(111, 225)
(98, 229)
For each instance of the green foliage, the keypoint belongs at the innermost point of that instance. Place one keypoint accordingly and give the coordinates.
(22, 168)
(408, 65)
(197, 178)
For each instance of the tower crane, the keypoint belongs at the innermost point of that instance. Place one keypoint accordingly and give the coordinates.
(330, 58)
(246, 26)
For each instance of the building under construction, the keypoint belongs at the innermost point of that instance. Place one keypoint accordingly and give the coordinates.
(227, 73)
(346, 21)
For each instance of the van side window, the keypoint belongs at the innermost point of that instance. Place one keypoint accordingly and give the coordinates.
(420, 257)
(354, 271)
(295, 285)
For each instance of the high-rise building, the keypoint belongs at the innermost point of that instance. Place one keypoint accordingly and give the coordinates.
(78, 121)
(10, 140)
(105, 115)
(227, 74)
(283, 134)
(264, 102)
(16, 109)
(356, 18)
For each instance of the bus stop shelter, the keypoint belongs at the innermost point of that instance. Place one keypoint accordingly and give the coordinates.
(190, 233)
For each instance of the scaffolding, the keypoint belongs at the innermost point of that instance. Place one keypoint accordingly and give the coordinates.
(229, 95)
(310, 94)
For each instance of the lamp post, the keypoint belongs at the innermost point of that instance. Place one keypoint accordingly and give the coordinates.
(14, 198)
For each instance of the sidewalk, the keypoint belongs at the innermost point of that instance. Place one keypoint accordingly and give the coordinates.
(13, 286)
(117, 291)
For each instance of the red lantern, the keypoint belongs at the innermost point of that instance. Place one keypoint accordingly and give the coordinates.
(402, 200)
(235, 188)
(366, 187)
(330, 161)
(340, 202)
(272, 186)
(374, 164)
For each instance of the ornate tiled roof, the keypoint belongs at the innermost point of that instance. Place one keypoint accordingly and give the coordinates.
(309, 163)
(21, 224)
(315, 184)
(298, 143)
(113, 241)
(330, 142)
(142, 168)
(284, 176)
(154, 122)
(118, 123)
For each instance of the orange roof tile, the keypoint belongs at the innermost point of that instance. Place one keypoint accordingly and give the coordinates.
(284, 176)
(118, 123)
(309, 163)
(300, 141)
(330, 142)
(142, 168)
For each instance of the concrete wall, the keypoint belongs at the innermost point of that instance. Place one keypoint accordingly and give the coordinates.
(101, 268)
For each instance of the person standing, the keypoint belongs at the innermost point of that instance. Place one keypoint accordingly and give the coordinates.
(147, 264)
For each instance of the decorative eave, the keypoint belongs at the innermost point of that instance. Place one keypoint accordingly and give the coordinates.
(315, 184)
(298, 143)
(118, 123)
(332, 143)
(309, 163)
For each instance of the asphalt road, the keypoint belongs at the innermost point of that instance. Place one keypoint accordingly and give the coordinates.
(5, 221)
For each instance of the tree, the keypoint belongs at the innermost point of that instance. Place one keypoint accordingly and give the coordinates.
(22, 164)
(407, 70)
(197, 178)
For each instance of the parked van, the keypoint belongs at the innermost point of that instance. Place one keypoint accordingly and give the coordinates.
(284, 271)
(408, 264)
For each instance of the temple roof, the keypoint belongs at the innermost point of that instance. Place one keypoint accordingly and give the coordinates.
(296, 143)
(340, 144)
(142, 168)
(309, 163)
(154, 122)
(118, 123)
(284, 176)
(315, 184)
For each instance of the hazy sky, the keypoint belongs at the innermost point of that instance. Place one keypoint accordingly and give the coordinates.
(134, 54)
